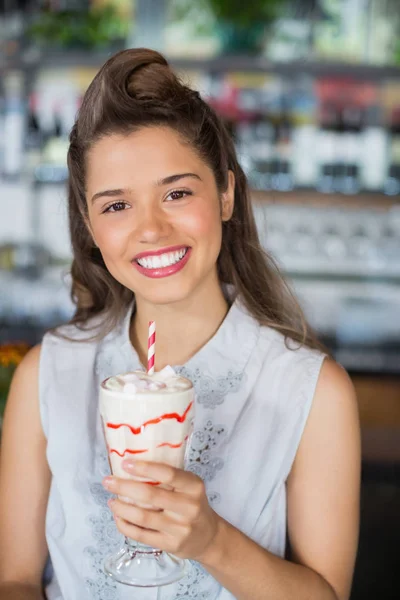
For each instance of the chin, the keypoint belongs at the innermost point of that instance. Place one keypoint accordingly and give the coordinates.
(164, 294)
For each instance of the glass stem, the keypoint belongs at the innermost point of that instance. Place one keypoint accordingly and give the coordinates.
(136, 548)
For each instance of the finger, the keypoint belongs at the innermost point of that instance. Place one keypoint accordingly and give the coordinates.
(148, 519)
(149, 495)
(154, 539)
(179, 479)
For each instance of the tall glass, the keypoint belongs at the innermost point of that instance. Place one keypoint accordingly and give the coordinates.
(149, 417)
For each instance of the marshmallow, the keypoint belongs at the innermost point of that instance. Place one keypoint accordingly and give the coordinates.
(130, 388)
(129, 378)
(156, 385)
(166, 372)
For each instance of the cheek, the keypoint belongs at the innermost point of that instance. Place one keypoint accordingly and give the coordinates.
(109, 236)
(203, 223)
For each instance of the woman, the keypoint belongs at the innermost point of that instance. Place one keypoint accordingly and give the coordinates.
(162, 229)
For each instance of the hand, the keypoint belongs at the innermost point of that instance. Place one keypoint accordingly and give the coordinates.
(180, 519)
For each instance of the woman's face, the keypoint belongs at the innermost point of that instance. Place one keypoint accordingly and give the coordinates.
(155, 213)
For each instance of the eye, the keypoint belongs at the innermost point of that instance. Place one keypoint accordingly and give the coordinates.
(115, 207)
(178, 194)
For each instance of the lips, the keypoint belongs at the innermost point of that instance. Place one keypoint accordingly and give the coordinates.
(159, 252)
(162, 263)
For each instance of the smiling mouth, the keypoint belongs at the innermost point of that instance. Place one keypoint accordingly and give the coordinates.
(168, 259)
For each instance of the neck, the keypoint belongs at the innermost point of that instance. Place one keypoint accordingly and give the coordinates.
(182, 327)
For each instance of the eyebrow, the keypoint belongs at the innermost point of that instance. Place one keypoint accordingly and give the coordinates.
(165, 181)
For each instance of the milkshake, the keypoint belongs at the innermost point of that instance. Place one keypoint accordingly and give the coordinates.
(147, 417)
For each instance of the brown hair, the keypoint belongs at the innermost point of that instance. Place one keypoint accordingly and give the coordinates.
(134, 89)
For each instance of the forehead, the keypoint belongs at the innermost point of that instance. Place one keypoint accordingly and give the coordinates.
(145, 151)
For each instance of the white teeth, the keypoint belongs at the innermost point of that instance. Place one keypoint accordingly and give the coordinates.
(163, 260)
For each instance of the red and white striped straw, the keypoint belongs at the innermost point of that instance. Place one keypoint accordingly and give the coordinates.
(151, 352)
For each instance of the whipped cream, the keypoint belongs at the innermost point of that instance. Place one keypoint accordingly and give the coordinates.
(135, 382)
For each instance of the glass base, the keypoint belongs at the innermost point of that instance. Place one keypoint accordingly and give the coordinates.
(142, 566)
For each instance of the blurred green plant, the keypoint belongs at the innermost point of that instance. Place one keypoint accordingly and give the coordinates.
(246, 13)
(241, 25)
(96, 27)
(243, 13)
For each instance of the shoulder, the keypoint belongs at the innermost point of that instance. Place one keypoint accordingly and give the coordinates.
(335, 402)
(70, 333)
(287, 355)
(23, 395)
(25, 382)
(334, 394)
(67, 352)
(29, 366)
(272, 354)
(67, 348)
(271, 344)
(334, 418)
(287, 378)
(334, 382)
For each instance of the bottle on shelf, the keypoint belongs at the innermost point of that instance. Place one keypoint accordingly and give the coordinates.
(351, 143)
(339, 144)
(262, 151)
(255, 130)
(305, 133)
(282, 178)
(34, 136)
(374, 149)
(392, 183)
(327, 139)
(13, 125)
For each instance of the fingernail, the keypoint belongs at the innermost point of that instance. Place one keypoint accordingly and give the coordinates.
(108, 483)
(128, 465)
(111, 502)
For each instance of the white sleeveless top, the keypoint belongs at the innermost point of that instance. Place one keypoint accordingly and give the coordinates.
(253, 397)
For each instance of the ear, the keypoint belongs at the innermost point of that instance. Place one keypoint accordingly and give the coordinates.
(228, 198)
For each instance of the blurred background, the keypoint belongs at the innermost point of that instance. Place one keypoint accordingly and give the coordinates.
(310, 90)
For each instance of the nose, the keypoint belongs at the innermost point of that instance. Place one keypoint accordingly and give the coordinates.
(153, 225)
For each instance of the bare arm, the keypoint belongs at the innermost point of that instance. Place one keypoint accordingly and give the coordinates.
(323, 511)
(24, 488)
(20, 591)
